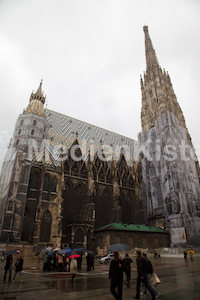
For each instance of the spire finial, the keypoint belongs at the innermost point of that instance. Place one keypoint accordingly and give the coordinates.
(151, 59)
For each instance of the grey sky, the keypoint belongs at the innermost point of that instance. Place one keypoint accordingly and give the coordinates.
(90, 55)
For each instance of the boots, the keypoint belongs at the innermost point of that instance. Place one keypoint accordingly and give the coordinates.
(21, 279)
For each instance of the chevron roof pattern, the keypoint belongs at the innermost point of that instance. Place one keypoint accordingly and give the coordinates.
(63, 130)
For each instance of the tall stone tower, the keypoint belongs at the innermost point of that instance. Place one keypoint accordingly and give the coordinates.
(31, 125)
(170, 169)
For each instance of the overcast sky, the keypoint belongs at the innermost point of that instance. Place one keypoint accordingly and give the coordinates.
(90, 54)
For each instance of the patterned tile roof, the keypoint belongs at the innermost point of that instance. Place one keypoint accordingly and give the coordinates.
(64, 130)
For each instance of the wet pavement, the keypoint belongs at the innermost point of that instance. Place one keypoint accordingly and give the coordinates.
(179, 280)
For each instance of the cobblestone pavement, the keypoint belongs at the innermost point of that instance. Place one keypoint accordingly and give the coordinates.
(179, 280)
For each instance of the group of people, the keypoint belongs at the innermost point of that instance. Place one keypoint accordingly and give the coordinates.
(144, 269)
(18, 266)
(59, 262)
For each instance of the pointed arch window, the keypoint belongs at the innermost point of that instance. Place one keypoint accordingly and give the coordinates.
(19, 131)
(101, 175)
(54, 185)
(109, 177)
(34, 123)
(75, 170)
(46, 183)
(21, 123)
(35, 181)
(45, 230)
(83, 170)
(32, 132)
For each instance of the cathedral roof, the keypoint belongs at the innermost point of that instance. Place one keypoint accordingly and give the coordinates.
(64, 130)
(130, 227)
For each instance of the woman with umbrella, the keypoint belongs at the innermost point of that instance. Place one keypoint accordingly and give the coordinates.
(191, 252)
(73, 264)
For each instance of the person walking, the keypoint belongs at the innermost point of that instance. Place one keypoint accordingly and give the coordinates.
(73, 268)
(142, 276)
(127, 269)
(185, 255)
(19, 268)
(191, 255)
(149, 269)
(8, 267)
(116, 276)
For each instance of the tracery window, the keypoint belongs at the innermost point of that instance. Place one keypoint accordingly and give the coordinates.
(46, 182)
(54, 185)
(45, 230)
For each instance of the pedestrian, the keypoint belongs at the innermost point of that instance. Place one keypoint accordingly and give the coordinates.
(19, 268)
(73, 268)
(191, 255)
(60, 262)
(127, 269)
(79, 261)
(116, 276)
(45, 262)
(149, 268)
(142, 276)
(185, 255)
(38, 260)
(8, 267)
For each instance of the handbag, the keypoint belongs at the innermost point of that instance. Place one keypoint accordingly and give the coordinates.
(154, 279)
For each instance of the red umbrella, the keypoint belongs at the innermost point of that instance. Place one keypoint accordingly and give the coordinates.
(74, 256)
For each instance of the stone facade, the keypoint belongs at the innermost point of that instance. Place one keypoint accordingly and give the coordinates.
(170, 168)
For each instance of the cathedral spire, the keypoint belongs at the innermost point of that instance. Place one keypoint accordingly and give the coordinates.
(36, 103)
(151, 59)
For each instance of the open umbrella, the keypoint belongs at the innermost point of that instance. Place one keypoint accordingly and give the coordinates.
(10, 252)
(62, 251)
(191, 251)
(68, 251)
(80, 250)
(91, 253)
(74, 256)
(118, 247)
(56, 249)
(48, 249)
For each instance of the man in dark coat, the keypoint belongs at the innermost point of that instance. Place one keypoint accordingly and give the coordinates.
(127, 269)
(116, 276)
(8, 267)
(149, 273)
(142, 276)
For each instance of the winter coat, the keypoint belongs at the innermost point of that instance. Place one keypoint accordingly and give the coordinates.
(149, 266)
(73, 266)
(19, 265)
(116, 273)
(127, 263)
(141, 266)
(8, 264)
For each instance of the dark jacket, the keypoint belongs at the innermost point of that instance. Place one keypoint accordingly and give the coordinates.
(149, 266)
(19, 265)
(127, 263)
(116, 273)
(141, 266)
(8, 262)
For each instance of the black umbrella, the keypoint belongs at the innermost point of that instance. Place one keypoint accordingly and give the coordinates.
(10, 252)
(118, 247)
